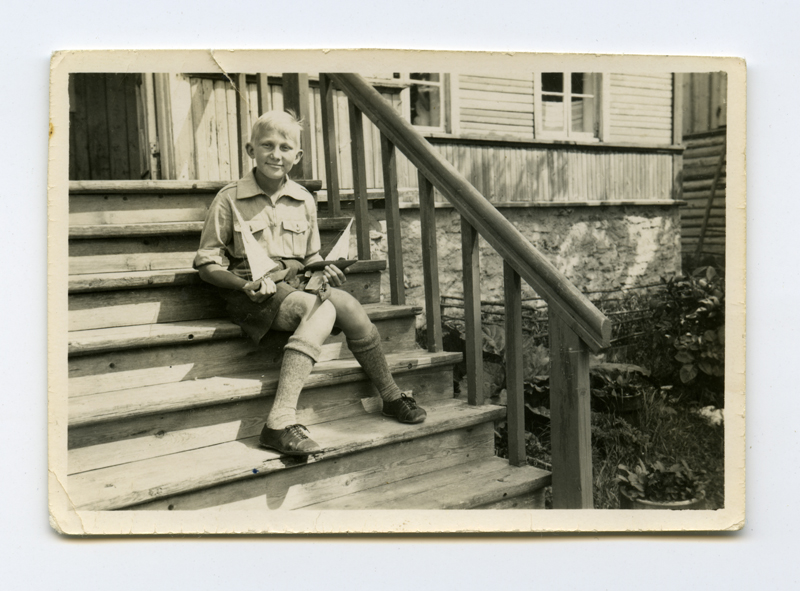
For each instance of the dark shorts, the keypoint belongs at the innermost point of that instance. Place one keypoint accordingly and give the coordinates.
(255, 318)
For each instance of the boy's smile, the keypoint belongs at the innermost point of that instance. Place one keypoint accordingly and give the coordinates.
(275, 155)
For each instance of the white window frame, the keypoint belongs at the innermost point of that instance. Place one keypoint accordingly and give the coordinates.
(445, 125)
(599, 95)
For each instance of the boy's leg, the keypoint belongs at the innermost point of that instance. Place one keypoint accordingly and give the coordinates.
(312, 322)
(364, 342)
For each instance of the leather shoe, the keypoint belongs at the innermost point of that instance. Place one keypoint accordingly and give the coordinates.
(290, 441)
(404, 409)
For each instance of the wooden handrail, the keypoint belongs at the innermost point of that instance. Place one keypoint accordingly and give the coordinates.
(564, 299)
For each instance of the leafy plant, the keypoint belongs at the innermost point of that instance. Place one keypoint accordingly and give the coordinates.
(654, 482)
(687, 344)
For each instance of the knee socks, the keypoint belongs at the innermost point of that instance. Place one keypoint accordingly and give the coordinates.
(368, 353)
(298, 361)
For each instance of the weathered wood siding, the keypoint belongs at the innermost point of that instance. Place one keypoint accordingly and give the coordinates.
(104, 122)
(640, 108)
(705, 101)
(522, 174)
(701, 159)
(206, 144)
(489, 105)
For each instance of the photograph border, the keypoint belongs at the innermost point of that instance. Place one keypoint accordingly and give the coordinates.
(66, 519)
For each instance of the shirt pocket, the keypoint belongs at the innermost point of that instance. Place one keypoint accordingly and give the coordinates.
(294, 235)
(256, 226)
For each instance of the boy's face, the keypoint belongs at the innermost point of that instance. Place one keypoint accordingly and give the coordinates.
(275, 154)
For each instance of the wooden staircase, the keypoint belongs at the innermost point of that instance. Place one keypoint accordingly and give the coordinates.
(167, 398)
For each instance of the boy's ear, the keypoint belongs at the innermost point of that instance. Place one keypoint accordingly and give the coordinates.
(248, 147)
(298, 157)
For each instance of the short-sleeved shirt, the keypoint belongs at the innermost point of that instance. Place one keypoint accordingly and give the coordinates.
(285, 225)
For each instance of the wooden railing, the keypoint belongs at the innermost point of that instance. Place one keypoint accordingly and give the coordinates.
(575, 325)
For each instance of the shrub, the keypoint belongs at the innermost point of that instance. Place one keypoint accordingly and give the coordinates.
(655, 482)
(687, 338)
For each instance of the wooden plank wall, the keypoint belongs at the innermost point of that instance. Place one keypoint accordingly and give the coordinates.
(700, 163)
(640, 109)
(522, 174)
(705, 101)
(104, 137)
(504, 173)
(490, 105)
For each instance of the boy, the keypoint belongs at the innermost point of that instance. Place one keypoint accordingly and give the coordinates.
(282, 217)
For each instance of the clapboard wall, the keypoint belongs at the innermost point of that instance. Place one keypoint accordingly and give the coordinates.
(640, 108)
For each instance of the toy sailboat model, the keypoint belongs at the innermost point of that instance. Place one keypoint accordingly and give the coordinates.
(340, 250)
(257, 257)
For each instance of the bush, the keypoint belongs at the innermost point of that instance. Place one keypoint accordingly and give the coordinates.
(686, 345)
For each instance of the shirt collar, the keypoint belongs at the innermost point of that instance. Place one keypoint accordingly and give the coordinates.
(248, 187)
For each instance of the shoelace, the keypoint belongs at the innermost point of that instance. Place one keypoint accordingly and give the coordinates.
(408, 402)
(298, 431)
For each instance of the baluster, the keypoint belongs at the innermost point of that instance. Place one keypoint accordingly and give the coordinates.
(295, 97)
(359, 156)
(329, 145)
(430, 264)
(514, 375)
(395, 249)
(570, 426)
(470, 258)
(242, 122)
(262, 87)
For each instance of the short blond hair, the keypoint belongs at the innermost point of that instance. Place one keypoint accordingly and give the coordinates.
(284, 122)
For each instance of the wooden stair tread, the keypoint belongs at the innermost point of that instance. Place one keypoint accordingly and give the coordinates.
(137, 482)
(165, 186)
(169, 277)
(464, 486)
(174, 396)
(167, 333)
(164, 228)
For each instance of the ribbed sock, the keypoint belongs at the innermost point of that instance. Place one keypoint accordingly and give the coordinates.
(368, 353)
(298, 361)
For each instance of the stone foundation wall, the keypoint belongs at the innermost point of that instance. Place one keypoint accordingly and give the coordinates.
(597, 247)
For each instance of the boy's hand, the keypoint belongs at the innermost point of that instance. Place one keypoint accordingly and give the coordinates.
(258, 291)
(333, 275)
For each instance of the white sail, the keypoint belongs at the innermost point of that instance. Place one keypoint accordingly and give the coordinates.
(257, 257)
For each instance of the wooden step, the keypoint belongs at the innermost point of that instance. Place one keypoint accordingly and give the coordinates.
(124, 224)
(86, 409)
(325, 481)
(118, 338)
(132, 483)
(464, 486)
(168, 302)
(111, 369)
(210, 417)
(172, 277)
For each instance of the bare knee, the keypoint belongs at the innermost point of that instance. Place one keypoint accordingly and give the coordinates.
(299, 307)
(350, 314)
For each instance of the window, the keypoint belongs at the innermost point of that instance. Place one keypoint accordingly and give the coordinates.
(424, 99)
(566, 105)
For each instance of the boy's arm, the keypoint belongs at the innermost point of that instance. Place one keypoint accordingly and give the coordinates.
(255, 290)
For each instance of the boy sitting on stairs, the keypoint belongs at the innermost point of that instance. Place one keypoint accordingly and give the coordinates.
(281, 216)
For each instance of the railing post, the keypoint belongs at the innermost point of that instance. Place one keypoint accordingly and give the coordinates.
(329, 145)
(262, 88)
(430, 264)
(359, 157)
(470, 262)
(570, 426)
(242, 122)
(512, 287)
(395, 247)
(295, 97)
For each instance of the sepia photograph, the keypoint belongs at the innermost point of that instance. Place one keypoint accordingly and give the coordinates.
(329, 292)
